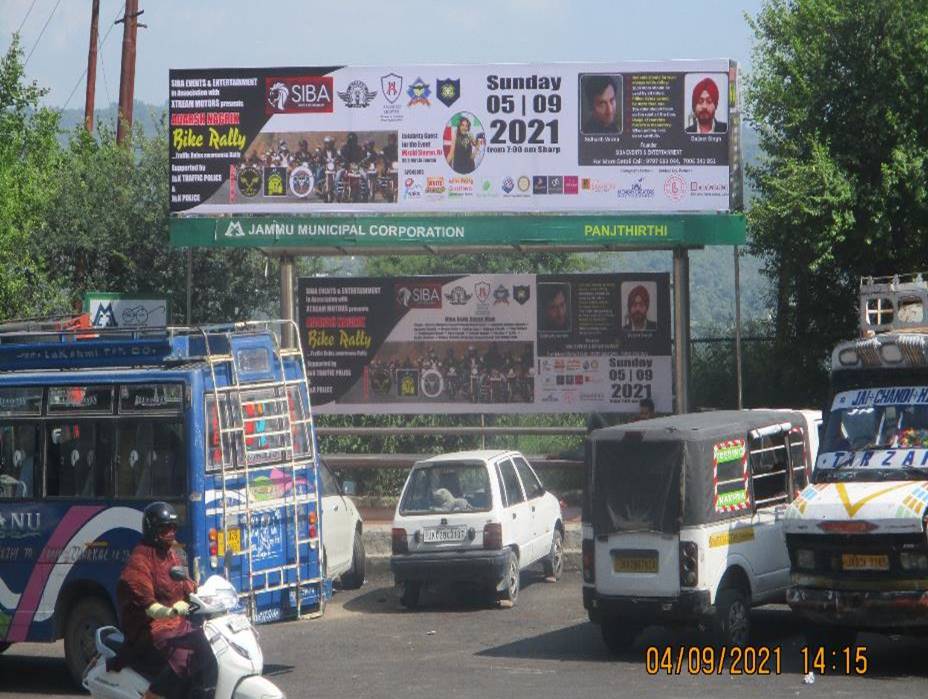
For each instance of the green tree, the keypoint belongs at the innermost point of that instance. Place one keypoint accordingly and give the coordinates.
(29, 154)
(839, 95)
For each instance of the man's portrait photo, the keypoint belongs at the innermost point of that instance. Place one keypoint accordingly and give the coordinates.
(639, 300)
(554, 301)
(601, 104)
(708, 102)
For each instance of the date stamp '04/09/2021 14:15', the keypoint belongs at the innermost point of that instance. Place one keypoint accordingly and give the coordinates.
(753, 660)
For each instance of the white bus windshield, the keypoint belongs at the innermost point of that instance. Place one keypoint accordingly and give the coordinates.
(879, 433)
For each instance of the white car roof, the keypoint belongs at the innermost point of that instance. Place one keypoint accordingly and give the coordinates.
(475, 455)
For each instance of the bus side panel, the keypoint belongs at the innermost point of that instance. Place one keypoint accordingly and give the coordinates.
(50, 547)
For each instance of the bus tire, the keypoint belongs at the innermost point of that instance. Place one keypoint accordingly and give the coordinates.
(354, 578)
(85, 617)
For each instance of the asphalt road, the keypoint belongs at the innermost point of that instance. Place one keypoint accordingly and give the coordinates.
(368, 646)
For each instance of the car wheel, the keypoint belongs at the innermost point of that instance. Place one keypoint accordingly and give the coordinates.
(411, 591)
(554, 562)
(732, 623)
(354, 578)
(618, 634)
(510, 592)
(80, 631)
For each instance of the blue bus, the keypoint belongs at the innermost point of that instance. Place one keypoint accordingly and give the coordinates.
(95, 425)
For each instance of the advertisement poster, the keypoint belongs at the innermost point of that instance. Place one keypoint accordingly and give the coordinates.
(659, 136)
(108, 310)
(487, 343)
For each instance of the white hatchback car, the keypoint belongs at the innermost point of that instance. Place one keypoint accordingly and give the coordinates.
(342, 529)
(476, 516)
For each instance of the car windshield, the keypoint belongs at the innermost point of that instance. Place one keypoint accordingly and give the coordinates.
(876, 434)
(442, 487)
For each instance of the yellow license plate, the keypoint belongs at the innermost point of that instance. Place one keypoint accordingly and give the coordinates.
(856, 561)
(235, 541)
(634, 564)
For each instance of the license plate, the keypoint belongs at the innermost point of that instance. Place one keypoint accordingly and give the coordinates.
(856, 561)
(441, 535)
(634, 564)
(235, 541)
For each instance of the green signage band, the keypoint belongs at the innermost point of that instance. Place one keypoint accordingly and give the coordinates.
(430, 233)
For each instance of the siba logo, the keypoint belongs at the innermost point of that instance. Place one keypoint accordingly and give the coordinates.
(418, 295)
(311, 93)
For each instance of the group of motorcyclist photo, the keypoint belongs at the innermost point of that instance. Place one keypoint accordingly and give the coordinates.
(345, 167)
(488, 376)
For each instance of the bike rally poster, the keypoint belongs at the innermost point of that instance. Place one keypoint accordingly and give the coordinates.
(493, 343)
(658, 136)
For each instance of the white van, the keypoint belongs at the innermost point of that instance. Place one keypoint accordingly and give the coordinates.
(682, 519)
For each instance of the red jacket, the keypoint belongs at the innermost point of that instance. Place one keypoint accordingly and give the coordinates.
(145, 580)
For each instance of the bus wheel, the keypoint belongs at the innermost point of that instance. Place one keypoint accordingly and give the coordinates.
(80, 630)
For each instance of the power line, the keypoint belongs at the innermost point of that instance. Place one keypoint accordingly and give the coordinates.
(41, 33)
(28, 12)
(102, 64)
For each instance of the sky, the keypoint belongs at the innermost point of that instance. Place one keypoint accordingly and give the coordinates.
(242, 33)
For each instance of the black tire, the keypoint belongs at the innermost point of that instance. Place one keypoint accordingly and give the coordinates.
(554, 562)
(511, 579)
(618, 634)
(732, 622)
(85, 617)
(411, 591)
(354, 578)
(4, 646)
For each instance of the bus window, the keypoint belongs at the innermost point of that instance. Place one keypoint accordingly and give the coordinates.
(19, 447)
(78, 458)
(152, 461)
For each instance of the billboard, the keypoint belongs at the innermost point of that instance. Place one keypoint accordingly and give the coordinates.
(487, 343)
(110, 310)
(657, 136)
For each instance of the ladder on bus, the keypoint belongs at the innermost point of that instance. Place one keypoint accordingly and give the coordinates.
(302, 505)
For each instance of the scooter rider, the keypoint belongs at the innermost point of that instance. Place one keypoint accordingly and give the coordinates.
(153, 609)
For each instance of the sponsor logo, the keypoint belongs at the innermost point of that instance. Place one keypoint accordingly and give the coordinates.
(312, 93)
(708, 189)
(636, 191)
(435, 185)
(234, 230)
(555, 184)
(419, 295)
(448, 91)
(380, 381)
(487, 185)
(302, 181)
(588, 184)
(508, 185)
(521, 294)
(539, 184)
(357, 95)
(524, 184)
(571, 184)
(411, 188)
(432, 383)
(419, 93)
(249, 181)
(458, 296)
(482, 289)
(275, 181)
(460, 186)
(501, 295)
(407, 382)
(675, 187)
(391, 85)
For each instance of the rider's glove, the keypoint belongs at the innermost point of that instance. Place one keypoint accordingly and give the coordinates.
(159, 611)
(181, 608)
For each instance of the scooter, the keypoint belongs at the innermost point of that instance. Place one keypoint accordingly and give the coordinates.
(231, 636)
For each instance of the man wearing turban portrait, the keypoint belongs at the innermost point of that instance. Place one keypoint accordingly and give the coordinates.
(636, 316)
(705, 102)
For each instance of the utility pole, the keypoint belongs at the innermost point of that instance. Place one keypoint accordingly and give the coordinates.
(91, 67)
(130, 23)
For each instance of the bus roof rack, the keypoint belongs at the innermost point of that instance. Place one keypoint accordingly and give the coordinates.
(894, 303)
(36, 344)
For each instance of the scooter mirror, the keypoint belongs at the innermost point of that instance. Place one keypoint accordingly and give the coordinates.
(179, 573)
